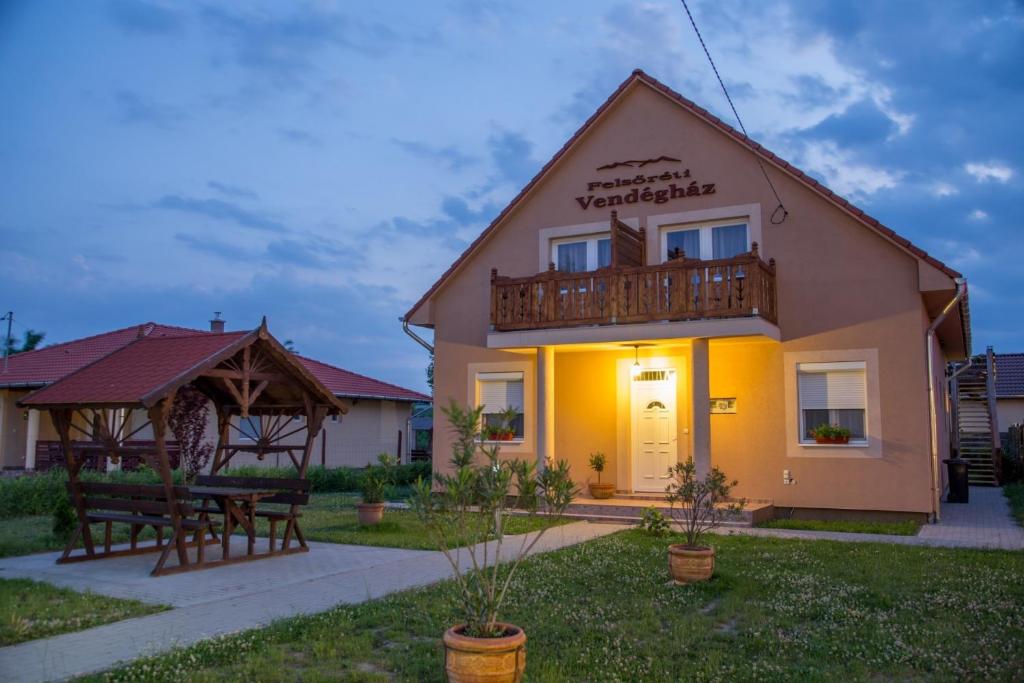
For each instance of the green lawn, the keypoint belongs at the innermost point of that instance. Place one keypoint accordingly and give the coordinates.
(904, 528)
(1015, 497)
(604, 611)
(30, 610)
(329, 517)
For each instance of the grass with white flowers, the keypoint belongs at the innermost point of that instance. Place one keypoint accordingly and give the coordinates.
(605, 610)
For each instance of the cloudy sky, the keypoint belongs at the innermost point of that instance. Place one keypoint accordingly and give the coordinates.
(322, 163)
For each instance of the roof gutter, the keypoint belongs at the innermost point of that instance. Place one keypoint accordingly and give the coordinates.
(415, 337)
(961, 290)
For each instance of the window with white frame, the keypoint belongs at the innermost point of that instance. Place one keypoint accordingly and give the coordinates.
(250, 427)
(501, 395)
(833, 394)
(581, 254)
(721, 239)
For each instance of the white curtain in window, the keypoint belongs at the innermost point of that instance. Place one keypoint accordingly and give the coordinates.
(604, 253)
(687, 240)
(572, 257)
(837, 389)
(728, 240)
(501, 390)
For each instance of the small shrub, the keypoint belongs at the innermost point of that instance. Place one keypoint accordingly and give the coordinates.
(654, 523)
(64, 518)
(598, 461)
(376, 479)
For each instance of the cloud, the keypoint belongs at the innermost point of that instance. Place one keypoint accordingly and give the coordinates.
(943, 189)
(219, 210)
(986, 171)
(145, 17)
(449, 156)
(231, 190)
(209, 245)
(135, 108)
(978, 215)
(843, 174)
(294, 252)
(512, 156)
(299, 137)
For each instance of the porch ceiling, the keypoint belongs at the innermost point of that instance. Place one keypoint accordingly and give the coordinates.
(667, 332)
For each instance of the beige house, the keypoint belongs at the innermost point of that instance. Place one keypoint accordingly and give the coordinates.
(645, 296)
(377, 420)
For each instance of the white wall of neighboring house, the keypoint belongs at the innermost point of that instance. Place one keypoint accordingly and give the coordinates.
(1009, 411)
(355, 439)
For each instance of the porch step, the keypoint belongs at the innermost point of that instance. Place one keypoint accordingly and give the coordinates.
(629, 510)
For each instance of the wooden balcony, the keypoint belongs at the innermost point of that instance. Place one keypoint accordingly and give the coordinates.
(678, 290)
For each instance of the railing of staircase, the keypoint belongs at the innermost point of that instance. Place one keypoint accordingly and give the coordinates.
(990, 395)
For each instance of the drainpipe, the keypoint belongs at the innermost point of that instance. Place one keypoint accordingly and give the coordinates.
(954, 399)
(961, 289)
(415, 337)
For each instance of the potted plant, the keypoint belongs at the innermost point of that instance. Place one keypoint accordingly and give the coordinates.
(373, 486)
(697, 505)
(469, 508)
(832, 434)
(506, 432)
(597, 489)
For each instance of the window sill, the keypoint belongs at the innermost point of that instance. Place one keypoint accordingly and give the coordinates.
(513, 442)
(852, 444)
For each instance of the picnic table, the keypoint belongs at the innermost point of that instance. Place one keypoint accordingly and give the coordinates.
(238, 505)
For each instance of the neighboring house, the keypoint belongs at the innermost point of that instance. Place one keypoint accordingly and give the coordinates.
(698, 323)
(377, 421)
(1009, 390)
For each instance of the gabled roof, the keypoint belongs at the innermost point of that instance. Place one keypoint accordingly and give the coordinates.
(33, 369)
(1009, 375)
(133, 372)
(353, 385)
(43, 366)
(638, 76)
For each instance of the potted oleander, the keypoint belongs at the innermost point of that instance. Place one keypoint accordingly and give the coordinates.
(697, 505)
(373, 486)
(831, 434)
(598, 461)
(464, 513)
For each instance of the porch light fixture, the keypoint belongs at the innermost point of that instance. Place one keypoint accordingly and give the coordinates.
(636, 361)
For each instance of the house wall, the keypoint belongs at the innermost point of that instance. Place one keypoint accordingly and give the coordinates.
(1010, 411)
(840, 287)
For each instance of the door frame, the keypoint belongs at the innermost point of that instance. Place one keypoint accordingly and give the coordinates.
(634, 453)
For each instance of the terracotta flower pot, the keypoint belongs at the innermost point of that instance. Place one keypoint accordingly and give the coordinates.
(602, 490)
(834, 440)
(370, 513)
(480, 660)
(690, 565)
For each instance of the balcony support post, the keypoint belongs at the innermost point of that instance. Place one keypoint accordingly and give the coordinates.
(545, 406)
(700, 406)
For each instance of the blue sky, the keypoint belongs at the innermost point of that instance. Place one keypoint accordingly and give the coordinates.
(322, 163)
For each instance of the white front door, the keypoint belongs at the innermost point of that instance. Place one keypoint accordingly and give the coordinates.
(654, 428)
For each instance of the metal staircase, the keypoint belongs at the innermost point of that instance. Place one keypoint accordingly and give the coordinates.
(975, 407)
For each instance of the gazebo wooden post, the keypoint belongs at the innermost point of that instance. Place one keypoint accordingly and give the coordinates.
(62, 421)
(223, 437)
(315, 415)
(158, 414)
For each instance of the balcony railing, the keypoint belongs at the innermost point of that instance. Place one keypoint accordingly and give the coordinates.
(680, 289)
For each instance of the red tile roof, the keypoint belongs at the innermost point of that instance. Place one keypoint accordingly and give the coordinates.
(129, 374)
(353, 385)
(1009, 375)
(44, 366)
(639, 76)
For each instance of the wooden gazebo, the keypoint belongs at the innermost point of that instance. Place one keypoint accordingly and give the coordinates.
(245, 375)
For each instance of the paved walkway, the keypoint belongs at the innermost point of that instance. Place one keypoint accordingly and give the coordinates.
(985, 522)
(225, 599)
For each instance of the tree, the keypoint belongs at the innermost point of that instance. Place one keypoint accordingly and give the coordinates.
(187, 420)
(430, 373)
(31, 341)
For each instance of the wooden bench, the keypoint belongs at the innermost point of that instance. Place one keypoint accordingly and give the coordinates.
(290, 492)
(139, 506)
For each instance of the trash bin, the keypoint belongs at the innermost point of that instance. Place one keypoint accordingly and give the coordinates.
(957, 470)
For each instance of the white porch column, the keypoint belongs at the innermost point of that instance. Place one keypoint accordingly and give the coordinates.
(545, 405)
(31, 436)
(700, 407)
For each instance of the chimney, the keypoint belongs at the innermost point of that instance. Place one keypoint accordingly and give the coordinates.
(217, 325)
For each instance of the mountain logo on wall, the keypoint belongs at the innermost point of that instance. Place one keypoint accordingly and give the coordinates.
(637, 163)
